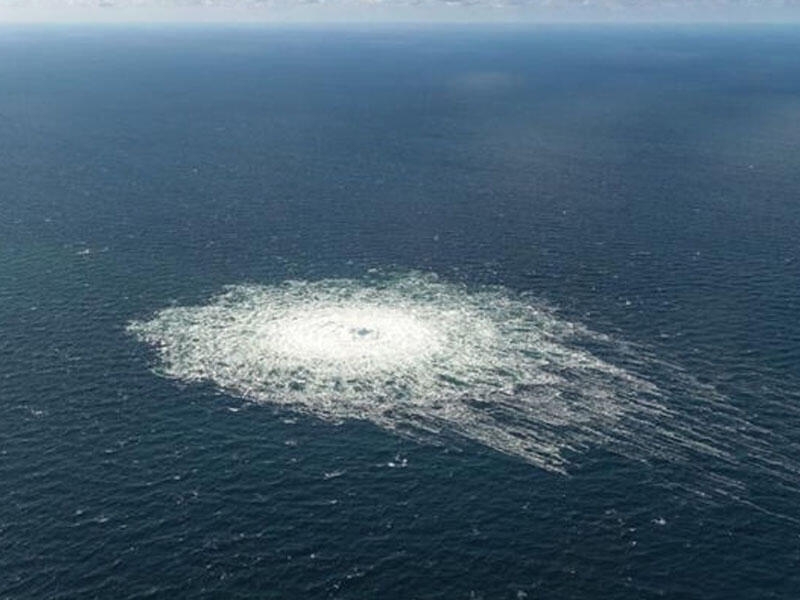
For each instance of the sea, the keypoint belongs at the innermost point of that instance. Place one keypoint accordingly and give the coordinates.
(400, 312)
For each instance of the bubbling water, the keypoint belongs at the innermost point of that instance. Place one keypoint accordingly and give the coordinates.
(356, 338)
(435, 361)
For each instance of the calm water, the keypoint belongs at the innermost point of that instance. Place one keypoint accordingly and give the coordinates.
(642, 182)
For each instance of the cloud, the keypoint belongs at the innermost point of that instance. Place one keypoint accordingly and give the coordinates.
(479, 10)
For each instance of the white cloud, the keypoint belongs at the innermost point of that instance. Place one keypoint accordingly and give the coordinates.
(365, 10)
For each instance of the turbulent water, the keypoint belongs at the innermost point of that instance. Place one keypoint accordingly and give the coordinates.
(446, 313)
(425, 358)
(413, 355)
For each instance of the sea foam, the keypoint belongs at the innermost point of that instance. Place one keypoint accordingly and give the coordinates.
(435, 360)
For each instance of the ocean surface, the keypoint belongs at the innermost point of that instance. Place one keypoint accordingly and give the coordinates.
(400, 312)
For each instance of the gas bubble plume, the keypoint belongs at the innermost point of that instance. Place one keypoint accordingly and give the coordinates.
(436, 361)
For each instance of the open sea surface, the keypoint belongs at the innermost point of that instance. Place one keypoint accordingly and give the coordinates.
(400, 313)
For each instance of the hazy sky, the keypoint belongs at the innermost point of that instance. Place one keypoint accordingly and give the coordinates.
(399, 10)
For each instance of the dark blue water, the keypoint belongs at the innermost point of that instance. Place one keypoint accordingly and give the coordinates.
(642, 181)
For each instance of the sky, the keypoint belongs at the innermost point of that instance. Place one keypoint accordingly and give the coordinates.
(400, 10)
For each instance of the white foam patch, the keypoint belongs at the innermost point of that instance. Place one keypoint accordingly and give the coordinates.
(429, 359)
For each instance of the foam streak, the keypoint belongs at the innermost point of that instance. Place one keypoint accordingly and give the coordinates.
(429, 359)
